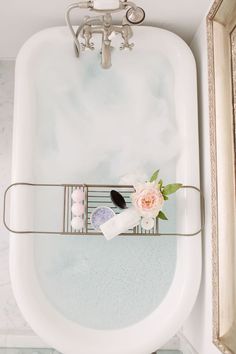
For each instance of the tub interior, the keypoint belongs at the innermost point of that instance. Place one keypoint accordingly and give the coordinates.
(92, 125)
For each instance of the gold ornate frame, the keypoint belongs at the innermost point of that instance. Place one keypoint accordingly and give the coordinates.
(221, 36)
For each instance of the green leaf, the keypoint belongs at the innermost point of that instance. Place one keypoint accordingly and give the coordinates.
(162, 216)
(154, 176)
(160, 183)
(171, 188)
(165, 197)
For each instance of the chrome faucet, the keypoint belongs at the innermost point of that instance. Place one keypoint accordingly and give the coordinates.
(102, 24)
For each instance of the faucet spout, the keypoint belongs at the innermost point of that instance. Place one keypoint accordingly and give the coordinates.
(106, 54)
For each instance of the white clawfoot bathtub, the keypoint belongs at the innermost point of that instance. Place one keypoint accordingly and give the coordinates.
(75, 123)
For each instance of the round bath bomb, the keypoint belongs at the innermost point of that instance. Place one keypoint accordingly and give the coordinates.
(78, 195)
(147, 223)
(77, 209)
(100, 215)
(77, 223)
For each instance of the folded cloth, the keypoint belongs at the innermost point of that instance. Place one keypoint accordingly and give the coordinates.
(120, 223)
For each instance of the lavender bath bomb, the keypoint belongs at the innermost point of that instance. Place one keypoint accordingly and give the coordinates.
(100, 215)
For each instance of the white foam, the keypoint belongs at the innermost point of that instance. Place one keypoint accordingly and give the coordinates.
(96, 125)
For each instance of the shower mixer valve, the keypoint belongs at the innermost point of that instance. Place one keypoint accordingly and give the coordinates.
(102, 24)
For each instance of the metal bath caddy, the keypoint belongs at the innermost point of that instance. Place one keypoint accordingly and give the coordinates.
(95, 195)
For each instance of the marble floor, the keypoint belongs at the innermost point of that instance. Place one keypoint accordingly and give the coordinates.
(10, 317)
(38, 351)
(16, 337)
(52, 351)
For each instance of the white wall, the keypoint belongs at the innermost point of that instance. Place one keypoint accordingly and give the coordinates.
(198, 328)
(20, 19)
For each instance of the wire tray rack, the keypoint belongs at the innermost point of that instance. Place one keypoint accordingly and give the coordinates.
(95, 195)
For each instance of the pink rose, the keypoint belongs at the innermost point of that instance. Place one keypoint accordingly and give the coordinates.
(148, 199)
